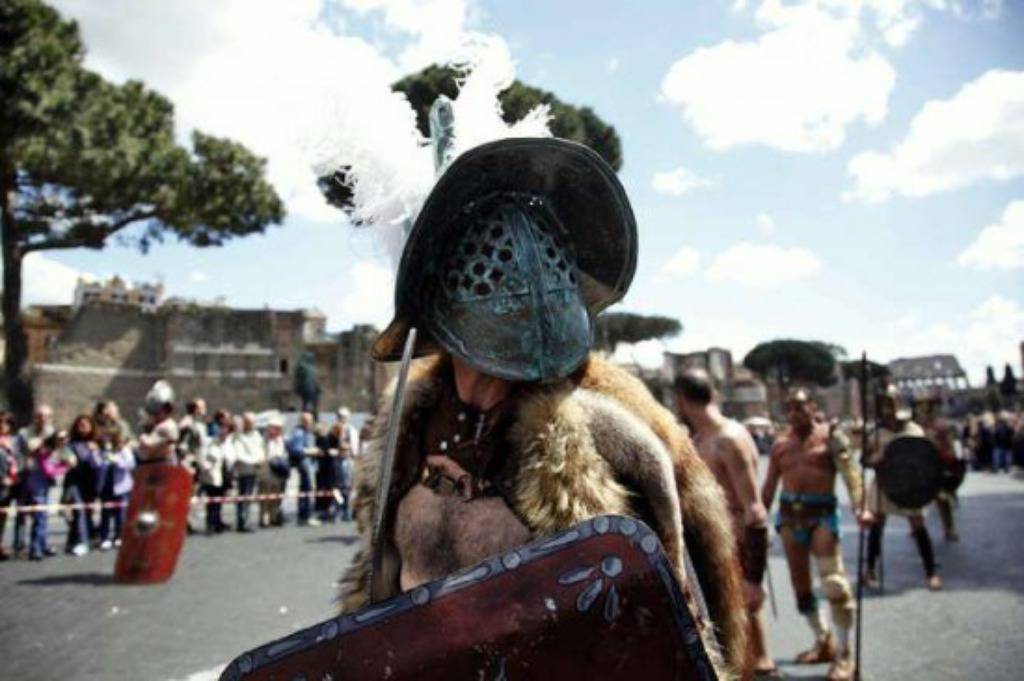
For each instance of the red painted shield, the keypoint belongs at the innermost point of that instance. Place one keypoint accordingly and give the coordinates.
(597, 601)
(155, 529)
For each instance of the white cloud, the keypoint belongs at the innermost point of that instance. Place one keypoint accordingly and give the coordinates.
(1000, 246)
(796, 88)
(48, 282)
(762, 265)
(197, 277)
(988, 335)
(438, 26)
(975, 136)
(765, 224)
(649, 354)
(264, 73)
(685, 262)
(679, 181)
(369, 296)
(612, 65)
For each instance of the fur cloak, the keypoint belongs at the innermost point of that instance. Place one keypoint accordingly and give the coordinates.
(592, 444)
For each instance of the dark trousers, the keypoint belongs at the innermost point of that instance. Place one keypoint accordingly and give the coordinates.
(7, 499)
(324, 505)
(15, 497)
(80, 525)
(346, 503)
(37, 538)
(113, 516)
(214, 523)
(246, 486)
(307, 476)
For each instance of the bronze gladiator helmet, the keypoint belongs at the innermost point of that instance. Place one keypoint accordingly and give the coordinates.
(516, 249)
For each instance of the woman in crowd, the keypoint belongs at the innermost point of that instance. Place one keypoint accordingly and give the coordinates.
(43, 465)
(250, 452)
(82, 483)
(273, 473)
(117, 486)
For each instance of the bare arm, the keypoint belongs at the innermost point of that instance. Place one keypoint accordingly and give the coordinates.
(771, 480)
(740, 457)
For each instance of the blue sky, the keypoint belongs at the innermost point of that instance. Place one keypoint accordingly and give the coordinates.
(843, 171)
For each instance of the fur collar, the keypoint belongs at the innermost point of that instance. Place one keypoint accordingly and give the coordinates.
(593, 444)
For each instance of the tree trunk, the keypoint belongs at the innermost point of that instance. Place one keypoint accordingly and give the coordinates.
(16, 384)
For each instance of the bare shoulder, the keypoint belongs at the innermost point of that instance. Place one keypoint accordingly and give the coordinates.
(780, 445)
(736, 440)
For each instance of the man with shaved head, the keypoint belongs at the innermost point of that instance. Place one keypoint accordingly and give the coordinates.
(729, 451)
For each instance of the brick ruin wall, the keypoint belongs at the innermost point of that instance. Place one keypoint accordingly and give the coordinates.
(235, 359)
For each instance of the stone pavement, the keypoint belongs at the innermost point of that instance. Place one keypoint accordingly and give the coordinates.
(64, 619)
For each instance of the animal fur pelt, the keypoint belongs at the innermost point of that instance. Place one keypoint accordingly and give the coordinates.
(593, 444)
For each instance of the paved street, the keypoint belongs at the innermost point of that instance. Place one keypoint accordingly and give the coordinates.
(64, 619)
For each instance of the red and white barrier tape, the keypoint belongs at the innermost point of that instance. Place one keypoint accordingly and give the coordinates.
(54, 509)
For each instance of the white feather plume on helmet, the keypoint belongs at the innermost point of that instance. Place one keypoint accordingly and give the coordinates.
(389, 165)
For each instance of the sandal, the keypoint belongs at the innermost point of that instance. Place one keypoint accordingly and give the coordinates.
(823, 651)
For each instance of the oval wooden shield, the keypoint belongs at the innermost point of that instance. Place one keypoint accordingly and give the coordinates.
(911, 471)
(596, 601)
(155, 529)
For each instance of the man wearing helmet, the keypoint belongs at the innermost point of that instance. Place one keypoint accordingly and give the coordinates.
(895, 422)
(806, 460)
(160, 433)
(511, 429)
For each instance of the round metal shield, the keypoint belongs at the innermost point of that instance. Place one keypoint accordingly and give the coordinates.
(911, 472)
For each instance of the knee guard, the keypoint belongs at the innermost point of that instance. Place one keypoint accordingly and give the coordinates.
(836, 589)
(806, 604)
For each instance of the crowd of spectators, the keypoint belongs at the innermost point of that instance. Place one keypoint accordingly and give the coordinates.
(995, 440)
(228, 455)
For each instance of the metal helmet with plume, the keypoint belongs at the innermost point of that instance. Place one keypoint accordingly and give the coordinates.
(520, 242)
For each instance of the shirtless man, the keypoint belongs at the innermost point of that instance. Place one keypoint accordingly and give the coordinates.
(806, 458)
(729, 451)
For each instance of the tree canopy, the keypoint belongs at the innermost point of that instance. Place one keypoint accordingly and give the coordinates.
(613, 328)
(578, 124)
(793, 361)
(83, 160)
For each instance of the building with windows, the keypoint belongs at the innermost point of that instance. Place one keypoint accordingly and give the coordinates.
(115, 291)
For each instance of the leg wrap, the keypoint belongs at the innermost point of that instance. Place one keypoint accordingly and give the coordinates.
(836, 589)
(875, 542)
(945, 507)
(924, 547)
(806, 604)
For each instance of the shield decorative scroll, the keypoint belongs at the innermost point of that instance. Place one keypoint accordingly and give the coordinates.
(597, 601)
(155, 529)
(911, 471)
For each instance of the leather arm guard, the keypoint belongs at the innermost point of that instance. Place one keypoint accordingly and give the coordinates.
(754, 553)
(842, 458)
